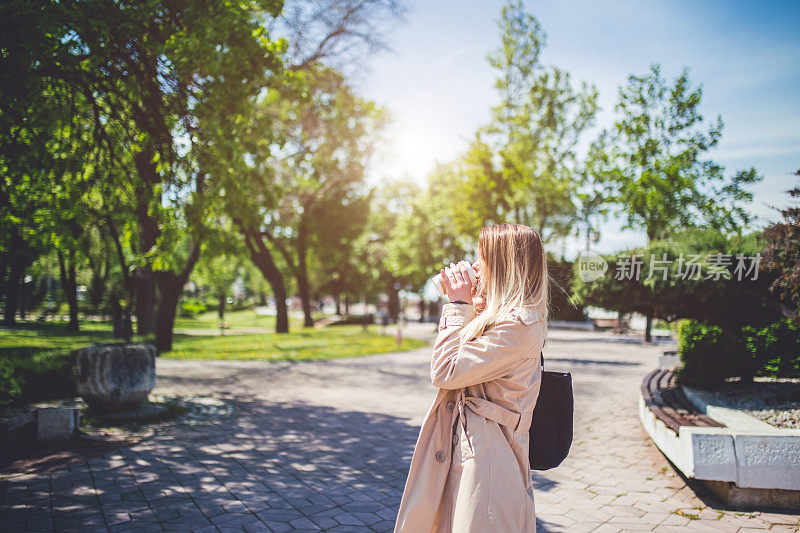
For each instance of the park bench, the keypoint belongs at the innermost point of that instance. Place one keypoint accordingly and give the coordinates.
(745, 462)
(669, 404)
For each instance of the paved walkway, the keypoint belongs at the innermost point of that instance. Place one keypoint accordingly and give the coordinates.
(326, 445)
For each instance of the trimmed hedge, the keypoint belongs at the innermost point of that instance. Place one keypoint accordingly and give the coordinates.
(709, 355)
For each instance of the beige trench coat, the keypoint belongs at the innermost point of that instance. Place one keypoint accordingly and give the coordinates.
(470, 470)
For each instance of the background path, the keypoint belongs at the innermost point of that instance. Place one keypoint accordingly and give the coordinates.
(326, 446)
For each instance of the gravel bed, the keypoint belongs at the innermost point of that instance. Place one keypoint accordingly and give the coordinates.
(774, 401)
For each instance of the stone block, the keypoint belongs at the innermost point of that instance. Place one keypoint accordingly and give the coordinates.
(768, 461)
(56, 423)
(713, 454)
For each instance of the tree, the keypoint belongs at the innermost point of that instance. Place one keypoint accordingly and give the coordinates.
(782, 256)
(173, 71)
(33, 113)
(219, 268)
(534, 131)
(329, 138)
(698, 273)
(337, 33)
(148, 78)
(652, 162)
(253, 192)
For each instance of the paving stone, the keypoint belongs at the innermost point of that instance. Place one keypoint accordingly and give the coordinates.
(384, 526)
(324, 522)
(304, 523)
(348, 519)
(320, 446)
(277, 527)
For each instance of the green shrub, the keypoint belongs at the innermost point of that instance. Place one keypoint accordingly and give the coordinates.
(776, 349)
(192, 306)
(10, 383)
(27, 375)
(709, 355)
(704, 352)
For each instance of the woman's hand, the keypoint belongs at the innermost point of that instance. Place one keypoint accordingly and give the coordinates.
(457, 283)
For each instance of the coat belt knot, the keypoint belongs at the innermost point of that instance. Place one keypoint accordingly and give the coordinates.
(488, 410)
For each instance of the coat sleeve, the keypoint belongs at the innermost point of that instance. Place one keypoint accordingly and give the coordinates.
(479, 360)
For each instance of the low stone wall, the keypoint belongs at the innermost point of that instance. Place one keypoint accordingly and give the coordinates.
(745, 467)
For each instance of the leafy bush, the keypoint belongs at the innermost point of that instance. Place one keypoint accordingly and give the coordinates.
(33, 376)
(704, 352)
(193, 306)
(709, 355)
(776, 349)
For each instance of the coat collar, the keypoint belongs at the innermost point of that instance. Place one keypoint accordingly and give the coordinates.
(528, 315)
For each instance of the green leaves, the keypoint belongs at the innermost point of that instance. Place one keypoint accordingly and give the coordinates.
(652, 162)
(521, 167)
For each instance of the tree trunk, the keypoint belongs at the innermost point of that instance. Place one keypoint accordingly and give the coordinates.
(221, 307)
(262, 258)
(149, 232)
(145, 289)
(434, 311)
(70, 286)
(128, 281)
(394, 301)
(338, 299)
(170, 286)
(23, 296)
(347, 304)
(302, 276)
(12, 290)
(98, 282)
(422, 309)
(19, 259)
(648, 335)
(169, 290)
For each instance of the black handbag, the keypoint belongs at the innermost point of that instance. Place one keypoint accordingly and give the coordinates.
(551, 429)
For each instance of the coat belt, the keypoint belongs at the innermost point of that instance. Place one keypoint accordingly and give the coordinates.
(488, 410)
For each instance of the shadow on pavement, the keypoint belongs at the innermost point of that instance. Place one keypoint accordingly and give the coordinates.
(289, 466)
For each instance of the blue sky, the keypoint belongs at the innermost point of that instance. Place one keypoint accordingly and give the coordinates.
(437, 84)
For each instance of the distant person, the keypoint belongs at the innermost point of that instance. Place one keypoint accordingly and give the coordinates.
(470, 470)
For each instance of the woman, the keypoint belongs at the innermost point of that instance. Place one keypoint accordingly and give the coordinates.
(470, 470)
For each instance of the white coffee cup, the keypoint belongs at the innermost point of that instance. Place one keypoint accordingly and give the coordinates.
(437, 279)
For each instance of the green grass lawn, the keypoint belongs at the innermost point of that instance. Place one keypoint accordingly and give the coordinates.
(35, 362)
(242, 318)
(299, 344)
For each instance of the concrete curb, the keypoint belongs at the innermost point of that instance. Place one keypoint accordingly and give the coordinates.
(743, 453)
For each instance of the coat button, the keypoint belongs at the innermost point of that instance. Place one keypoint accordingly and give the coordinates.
(440, 456)
(455, 439)
(450, 406)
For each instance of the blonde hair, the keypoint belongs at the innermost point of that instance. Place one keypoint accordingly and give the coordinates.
(513, 276)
